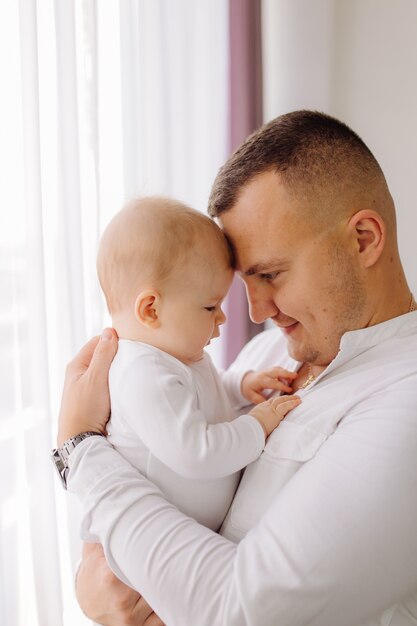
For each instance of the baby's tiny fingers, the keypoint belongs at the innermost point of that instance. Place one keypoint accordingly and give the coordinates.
(284, 399)
(276, 384)
(255, 397)
(284, 404)
(280, 372)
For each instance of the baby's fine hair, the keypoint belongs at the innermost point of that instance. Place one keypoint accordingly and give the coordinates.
(148, 240)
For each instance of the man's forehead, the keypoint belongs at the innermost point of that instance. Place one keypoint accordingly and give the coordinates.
(261, 249)
(252, 255)
(252, 216)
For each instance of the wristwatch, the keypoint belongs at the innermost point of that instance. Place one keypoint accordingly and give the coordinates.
(60, 456)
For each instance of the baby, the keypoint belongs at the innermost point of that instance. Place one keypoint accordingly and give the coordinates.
(165, 270)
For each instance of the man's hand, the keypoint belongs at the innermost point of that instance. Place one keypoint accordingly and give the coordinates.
(85, 404)
(275, 379)
(104, 598)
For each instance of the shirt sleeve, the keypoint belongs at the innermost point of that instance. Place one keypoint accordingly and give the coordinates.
(232, 380)
(337, 546)
(159, 404)
(254, 353)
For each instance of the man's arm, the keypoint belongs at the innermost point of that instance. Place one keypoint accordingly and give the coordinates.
(336, 546)
(104, 598)
(86, 406)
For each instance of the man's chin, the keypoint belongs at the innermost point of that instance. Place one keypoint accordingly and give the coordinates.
(297, 351)
(301, 353)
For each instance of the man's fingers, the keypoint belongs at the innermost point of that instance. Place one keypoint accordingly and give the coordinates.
(92, 550)
(103, 354)
(81, 361)
(143, 614)
(153, 620)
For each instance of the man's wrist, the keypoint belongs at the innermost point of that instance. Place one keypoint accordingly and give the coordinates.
(64, 436)
(61, 454)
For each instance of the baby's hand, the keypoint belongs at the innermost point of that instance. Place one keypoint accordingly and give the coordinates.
(271, 412)
(276, 378)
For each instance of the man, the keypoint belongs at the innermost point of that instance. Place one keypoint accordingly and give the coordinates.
(331, 505)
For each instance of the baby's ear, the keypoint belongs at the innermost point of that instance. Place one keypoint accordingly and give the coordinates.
(146, 309)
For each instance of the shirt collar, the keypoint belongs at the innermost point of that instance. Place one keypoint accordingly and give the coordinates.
(355, 342)
(365, 338)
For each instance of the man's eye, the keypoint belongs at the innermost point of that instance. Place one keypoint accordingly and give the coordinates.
(268, 276)
(210, 308)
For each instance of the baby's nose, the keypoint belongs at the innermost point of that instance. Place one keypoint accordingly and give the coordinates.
(221, 317)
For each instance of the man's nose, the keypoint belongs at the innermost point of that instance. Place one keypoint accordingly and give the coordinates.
(261, 305)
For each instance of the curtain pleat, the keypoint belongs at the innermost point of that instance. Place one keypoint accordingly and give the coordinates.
(245, 115)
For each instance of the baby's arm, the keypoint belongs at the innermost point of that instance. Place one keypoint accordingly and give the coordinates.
(159, 405)
(253, 387)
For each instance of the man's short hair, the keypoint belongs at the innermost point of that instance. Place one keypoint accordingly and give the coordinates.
(311, 151)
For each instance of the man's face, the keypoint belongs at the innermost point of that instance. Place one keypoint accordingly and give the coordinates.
(305, 278)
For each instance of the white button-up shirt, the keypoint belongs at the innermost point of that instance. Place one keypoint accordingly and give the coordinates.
(173, 422)
(331, 505)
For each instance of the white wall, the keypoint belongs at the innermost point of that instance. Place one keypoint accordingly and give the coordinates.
(357, 60)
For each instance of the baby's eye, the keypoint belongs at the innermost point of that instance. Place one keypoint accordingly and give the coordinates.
(210, 308)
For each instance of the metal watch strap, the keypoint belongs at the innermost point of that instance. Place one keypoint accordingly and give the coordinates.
(60, 455)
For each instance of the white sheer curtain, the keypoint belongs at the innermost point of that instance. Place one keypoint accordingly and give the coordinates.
(101, 101)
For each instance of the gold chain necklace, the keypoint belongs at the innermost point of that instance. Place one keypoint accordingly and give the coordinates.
(309, 378)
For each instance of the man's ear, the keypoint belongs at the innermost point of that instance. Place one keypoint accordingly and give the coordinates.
(369, 231)
(147, 306)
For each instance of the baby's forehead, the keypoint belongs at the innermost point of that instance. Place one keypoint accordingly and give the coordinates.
(212, 272)
(210, 253)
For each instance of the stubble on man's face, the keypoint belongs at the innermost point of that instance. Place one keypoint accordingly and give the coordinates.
(340, 307)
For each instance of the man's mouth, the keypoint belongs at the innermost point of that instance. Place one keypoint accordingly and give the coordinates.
(287, 328)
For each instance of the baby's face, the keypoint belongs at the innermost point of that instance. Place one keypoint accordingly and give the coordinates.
(191, 311)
